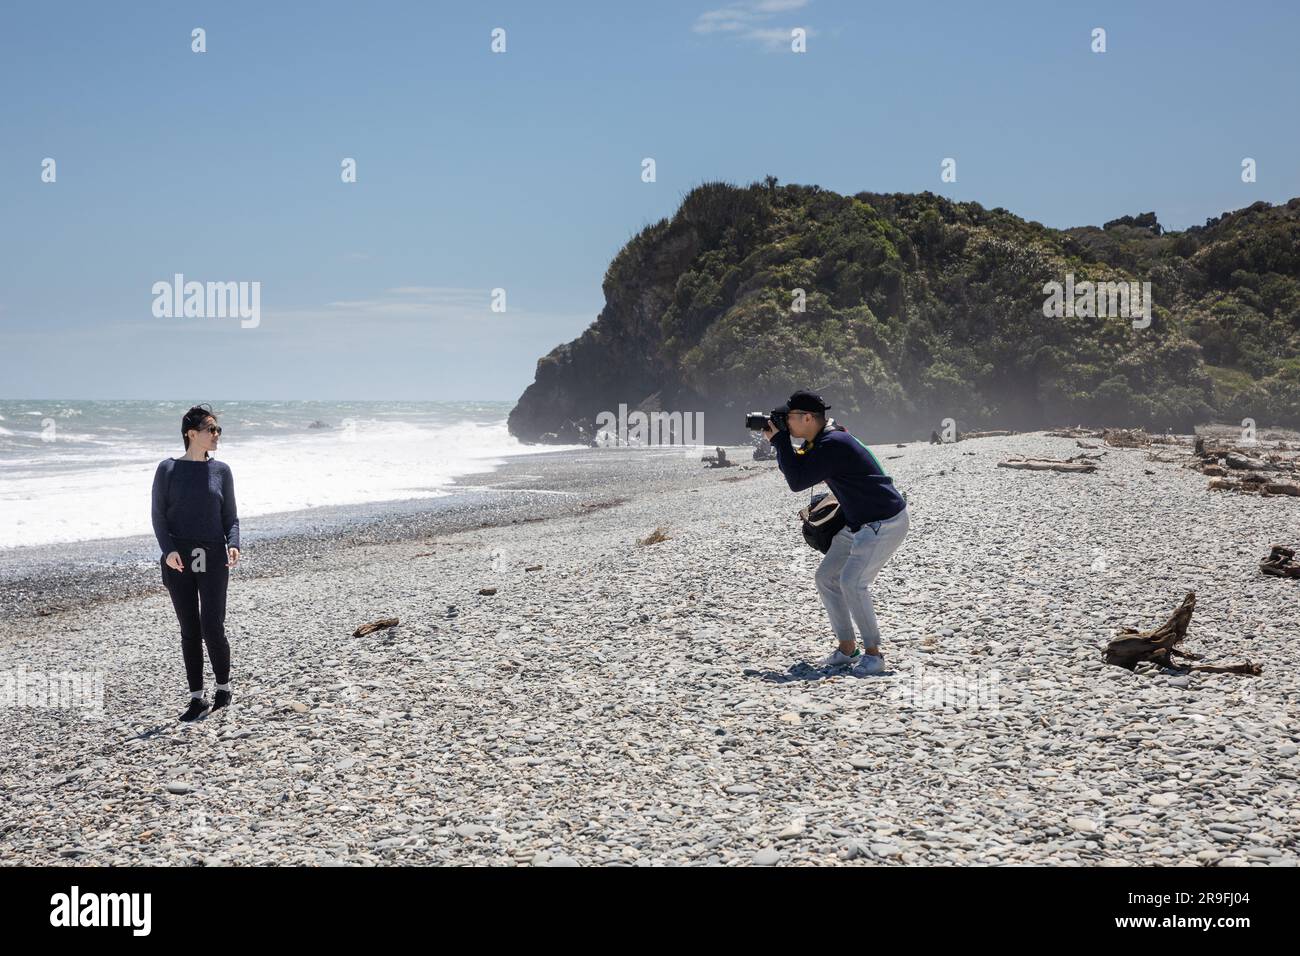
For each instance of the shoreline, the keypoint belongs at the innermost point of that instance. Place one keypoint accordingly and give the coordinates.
(36, 580)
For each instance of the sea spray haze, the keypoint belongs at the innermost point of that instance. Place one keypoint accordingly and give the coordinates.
(79, 470)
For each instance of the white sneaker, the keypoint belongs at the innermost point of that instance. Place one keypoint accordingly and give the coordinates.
(839, 659)
(869, 664)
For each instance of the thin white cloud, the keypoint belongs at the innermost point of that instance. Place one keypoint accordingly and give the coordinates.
(428, 290)
(752, 20)
(775, 39)
(422, 301)
(779, 6)
(719, 20)
(414, 310)
(414, 306)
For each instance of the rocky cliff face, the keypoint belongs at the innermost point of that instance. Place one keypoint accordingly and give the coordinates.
(904, 310)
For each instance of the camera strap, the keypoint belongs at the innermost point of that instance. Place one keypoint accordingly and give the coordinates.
(808, 446)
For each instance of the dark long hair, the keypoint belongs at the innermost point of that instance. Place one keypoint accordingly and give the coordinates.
(195, 418)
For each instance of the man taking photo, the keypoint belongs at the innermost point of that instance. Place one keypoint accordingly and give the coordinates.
(875, 516)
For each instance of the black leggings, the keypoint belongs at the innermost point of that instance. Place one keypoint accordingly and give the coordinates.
(200, 601)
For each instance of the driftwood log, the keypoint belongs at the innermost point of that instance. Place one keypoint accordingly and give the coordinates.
(1235, 459)
(1126, 437)
(1078, 431)
(962, 436)
(1280, 488)
(718, 459)
(1253, 483)
(1160, 646)
(373, 626)
(1049, 464)
(1216, 459)
(1281, 563)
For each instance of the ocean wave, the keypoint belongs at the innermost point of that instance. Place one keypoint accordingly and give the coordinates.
(77, 438)
(278, 471)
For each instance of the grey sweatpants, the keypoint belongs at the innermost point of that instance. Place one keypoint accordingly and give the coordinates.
(845, 575)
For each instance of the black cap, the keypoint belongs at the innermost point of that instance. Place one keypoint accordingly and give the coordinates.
(804, 401)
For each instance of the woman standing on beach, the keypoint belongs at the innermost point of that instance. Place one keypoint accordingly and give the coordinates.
(197, 527)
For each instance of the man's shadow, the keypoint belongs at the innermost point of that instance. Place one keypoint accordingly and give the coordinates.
(162, 730)
(803, 671)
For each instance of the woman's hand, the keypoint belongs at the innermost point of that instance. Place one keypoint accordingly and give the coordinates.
(232, 554)
(174, 561)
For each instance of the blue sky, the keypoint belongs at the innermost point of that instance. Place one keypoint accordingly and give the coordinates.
(522, 170)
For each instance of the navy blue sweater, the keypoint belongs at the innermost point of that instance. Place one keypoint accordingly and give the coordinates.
(860, 485)
(194, 501)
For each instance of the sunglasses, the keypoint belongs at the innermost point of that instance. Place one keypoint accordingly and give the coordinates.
(212, 429)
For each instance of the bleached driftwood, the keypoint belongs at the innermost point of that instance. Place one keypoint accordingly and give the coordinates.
(1126, 437)
(1078, 431)
(962, 436)
(1252, 483)
(1049, 464)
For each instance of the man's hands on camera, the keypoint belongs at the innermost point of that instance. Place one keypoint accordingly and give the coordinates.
(769, 430)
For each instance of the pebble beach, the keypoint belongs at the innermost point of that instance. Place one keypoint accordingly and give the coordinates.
(639, 704)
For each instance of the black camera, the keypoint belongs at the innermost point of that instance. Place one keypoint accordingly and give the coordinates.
(757, 421)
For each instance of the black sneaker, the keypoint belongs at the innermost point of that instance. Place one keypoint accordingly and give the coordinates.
(198, 707)
(221, 699)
